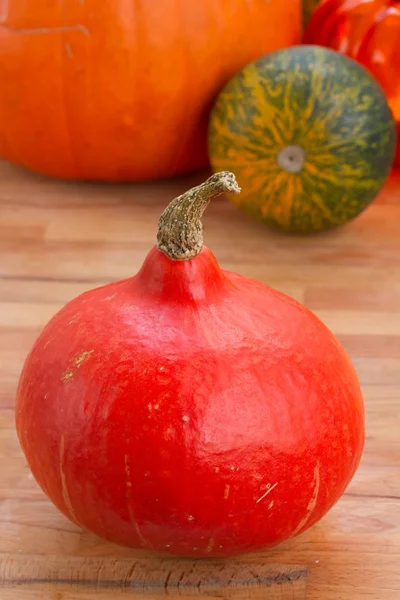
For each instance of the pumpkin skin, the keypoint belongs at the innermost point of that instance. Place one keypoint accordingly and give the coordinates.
(190, 410)
(308, 8)
(368, 31)
(121, 91)
(308, 133)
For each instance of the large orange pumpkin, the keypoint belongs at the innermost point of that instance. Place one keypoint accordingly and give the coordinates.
(107, 90)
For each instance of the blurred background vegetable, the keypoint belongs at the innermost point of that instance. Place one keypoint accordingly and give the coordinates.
(309, 135)
(368, 31)
(121, 90)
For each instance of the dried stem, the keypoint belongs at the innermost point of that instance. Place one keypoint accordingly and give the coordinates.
(180, 231)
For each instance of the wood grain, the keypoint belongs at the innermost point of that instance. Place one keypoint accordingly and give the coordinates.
(157, 576)
(60, 239)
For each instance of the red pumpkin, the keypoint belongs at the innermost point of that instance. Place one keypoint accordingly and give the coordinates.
(368, 31)
(187, 409)
(106, 90)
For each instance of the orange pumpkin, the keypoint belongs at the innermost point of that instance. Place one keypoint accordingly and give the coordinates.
(106, 90)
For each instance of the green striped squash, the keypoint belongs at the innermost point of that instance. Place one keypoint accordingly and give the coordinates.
(309, 135)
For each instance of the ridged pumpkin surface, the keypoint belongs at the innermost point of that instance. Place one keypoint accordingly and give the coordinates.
(308, 133)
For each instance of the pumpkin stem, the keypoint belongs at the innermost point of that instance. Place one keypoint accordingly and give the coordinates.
(180, 231)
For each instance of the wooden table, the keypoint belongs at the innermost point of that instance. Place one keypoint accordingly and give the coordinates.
(59, 239)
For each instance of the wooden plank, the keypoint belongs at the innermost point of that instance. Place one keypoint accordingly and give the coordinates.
(58, 239)
(157, 577)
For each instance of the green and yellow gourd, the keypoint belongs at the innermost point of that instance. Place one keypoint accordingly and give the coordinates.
(309, 135)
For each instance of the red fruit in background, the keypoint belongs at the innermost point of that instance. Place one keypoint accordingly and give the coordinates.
(369, 32)
(187, 409)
